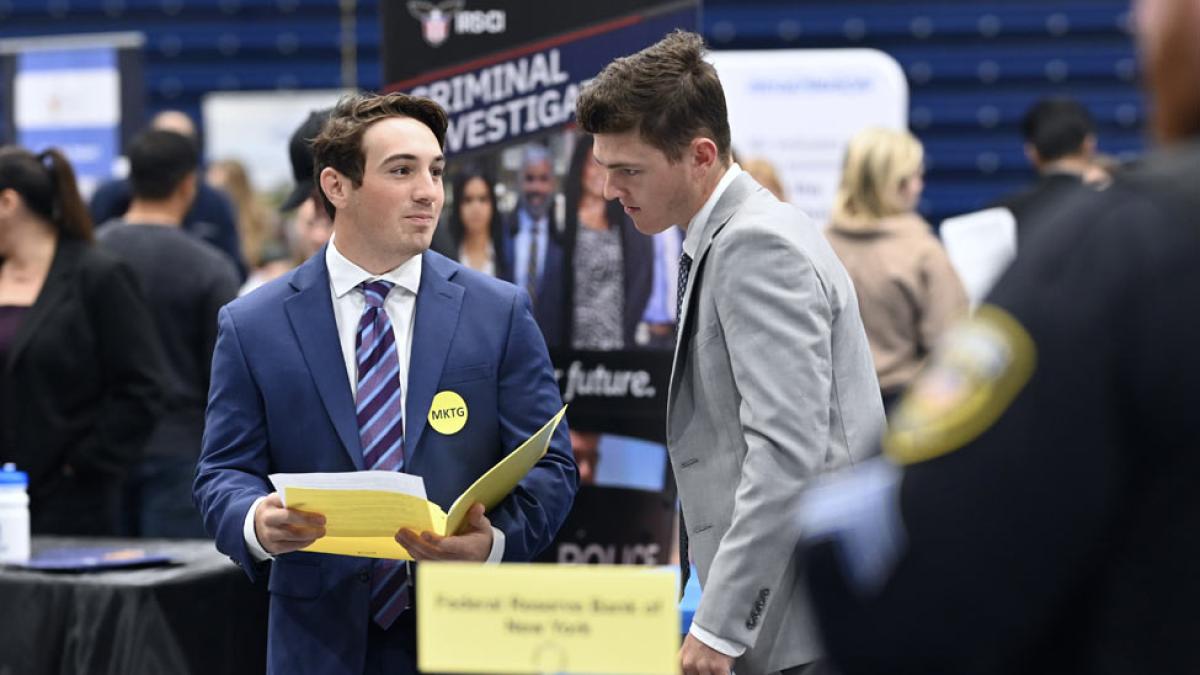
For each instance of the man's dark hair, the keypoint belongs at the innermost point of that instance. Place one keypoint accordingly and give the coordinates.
(159, 161)
(1057, 128)
(339, 145)
(667, 93)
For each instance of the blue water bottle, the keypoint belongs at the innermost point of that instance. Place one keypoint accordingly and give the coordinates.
(14, 515)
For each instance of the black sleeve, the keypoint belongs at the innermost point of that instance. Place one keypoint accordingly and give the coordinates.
(222, 289)
(214, 218)
(131, 359)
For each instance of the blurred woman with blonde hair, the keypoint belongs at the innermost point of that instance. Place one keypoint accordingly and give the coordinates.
(908, 292)
(764, 172)
(257, 226)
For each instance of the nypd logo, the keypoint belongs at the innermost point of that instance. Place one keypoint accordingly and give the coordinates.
(439, 20)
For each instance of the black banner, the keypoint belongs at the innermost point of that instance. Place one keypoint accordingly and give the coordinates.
(615, 526)
(622, 392)
(423, 36)
(528, 87)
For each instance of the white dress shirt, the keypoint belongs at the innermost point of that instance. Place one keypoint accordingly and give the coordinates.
(345, 279)
(690, 245)
(691, 241)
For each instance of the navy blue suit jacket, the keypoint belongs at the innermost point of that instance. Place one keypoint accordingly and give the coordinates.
(280, 402)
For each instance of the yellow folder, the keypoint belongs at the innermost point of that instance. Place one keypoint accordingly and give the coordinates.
(364, 521)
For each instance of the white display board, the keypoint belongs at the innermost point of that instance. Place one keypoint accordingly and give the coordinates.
(48, 74)
(798, 108)
(255, 127)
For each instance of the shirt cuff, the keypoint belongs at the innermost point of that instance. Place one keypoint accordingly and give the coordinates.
(497, 546)
(731, 649)
(256, 550)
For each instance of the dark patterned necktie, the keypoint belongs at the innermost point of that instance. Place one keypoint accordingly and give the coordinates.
(531, 267)
(685, 566)
(381, 429)
(685, 267)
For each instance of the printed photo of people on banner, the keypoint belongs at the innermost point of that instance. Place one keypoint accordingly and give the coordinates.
(525, 203)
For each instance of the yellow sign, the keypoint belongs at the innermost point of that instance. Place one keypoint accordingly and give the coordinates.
(546, 619)
(448, 414)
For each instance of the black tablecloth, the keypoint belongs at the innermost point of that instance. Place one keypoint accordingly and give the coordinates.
(199, 616)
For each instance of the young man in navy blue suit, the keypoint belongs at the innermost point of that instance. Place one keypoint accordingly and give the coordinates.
(334, 368)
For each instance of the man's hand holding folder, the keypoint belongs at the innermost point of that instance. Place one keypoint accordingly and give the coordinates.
(381, 514)
(283, 530)
(473, 543)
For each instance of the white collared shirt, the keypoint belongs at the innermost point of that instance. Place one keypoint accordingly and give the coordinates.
(348, 302)
(345, 277)
(691, 243)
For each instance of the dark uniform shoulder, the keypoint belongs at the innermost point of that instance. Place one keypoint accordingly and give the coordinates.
(1174, 172)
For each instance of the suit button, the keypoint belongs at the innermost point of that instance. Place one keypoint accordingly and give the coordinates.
(764, 593)
(758, 606)
(364, 576)
(751, 624)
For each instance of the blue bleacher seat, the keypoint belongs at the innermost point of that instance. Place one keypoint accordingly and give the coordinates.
(973, 67)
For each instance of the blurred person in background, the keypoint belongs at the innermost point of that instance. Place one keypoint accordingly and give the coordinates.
(1037, 511)
(300, 154)
(185, 280)
(1102, 170)
(80, 383)
(307, 229)
(610, 267)
(475, 226)
(533, 247)
(908, 292)
(211, 217)
(257, 227)
(310, 230)
(1060, 143)
(659, 320)
(610, 264)
(305, 232)
(764, 172)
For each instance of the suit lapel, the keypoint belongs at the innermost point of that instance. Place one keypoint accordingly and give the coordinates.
(434, 323)
(310, 312)
(56, 287)
(737, 192)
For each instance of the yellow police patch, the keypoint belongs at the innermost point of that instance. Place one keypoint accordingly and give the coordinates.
(973, 377)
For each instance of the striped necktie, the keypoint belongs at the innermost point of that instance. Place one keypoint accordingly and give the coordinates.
(381, 429)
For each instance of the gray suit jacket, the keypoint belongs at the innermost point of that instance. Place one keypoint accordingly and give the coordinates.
(772, 385)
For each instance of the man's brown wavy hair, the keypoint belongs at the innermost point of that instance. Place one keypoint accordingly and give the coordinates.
(339, 145)
(667, 93)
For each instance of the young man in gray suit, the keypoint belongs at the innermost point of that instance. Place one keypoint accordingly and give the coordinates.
(772, 383)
